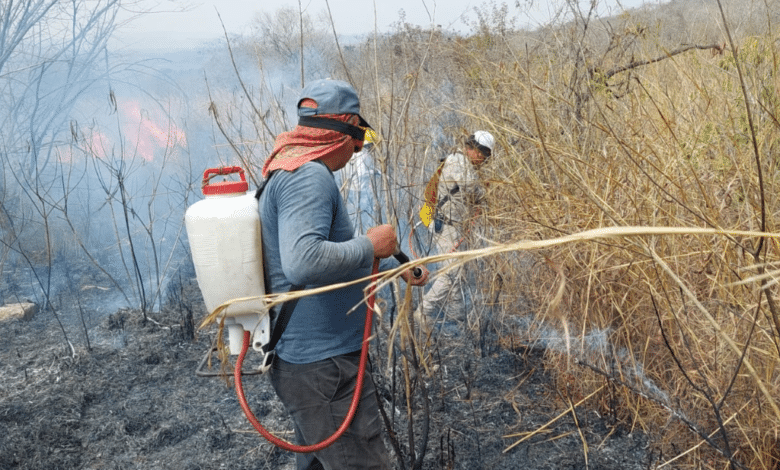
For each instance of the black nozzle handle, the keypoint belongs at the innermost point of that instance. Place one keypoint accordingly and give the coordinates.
(403, 259)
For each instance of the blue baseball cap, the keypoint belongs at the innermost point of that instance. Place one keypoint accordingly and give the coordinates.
(332, 97)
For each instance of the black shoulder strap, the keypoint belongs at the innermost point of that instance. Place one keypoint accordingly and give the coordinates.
(276, 332)
(452, 191)
(287, 308)
(261, 187)
(447, 197)
(281, 321)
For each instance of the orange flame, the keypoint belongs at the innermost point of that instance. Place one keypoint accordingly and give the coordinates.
(144, 133)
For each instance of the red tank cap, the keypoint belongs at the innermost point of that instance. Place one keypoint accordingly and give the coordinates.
(224, 187)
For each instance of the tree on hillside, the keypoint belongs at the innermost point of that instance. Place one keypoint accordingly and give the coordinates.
(279, 41)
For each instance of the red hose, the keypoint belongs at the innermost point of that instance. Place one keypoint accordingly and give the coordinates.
(355, 398)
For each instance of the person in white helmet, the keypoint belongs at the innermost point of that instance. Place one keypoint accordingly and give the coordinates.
(459, 191)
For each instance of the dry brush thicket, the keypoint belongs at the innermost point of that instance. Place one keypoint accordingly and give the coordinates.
(663, 117)
(691, 320)
(617, 123)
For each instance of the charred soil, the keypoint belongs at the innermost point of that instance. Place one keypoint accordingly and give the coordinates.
(133, 400)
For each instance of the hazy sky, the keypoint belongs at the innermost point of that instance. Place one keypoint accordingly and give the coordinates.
(350, 16)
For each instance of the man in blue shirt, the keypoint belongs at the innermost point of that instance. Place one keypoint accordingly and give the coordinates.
(308, 241)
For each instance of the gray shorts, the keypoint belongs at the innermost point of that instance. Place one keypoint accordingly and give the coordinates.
(317, 397)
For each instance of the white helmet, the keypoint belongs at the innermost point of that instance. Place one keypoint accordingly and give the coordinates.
(483, 140)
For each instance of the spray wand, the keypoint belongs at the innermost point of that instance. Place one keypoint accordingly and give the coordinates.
(403, 259)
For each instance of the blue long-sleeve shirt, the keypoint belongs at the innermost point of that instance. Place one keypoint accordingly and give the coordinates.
(308, 239)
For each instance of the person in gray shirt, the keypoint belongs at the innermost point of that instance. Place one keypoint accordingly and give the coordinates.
(308, 240)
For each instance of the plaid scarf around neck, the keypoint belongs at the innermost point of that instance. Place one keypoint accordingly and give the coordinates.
(304, 144)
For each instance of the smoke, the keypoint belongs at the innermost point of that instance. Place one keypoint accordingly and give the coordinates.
(92, 206)
(592, 348)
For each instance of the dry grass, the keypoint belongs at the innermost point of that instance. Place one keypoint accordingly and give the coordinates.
(692, 338)
(620, 124)
(678, 324)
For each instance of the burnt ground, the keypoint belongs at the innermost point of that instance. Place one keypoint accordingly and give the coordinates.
(134, 401)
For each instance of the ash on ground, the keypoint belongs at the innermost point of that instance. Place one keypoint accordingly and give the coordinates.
(133, 400)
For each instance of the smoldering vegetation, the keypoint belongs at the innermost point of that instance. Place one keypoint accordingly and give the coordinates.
(612, 130)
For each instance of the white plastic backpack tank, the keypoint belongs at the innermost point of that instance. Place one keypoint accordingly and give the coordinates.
(224, 235)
